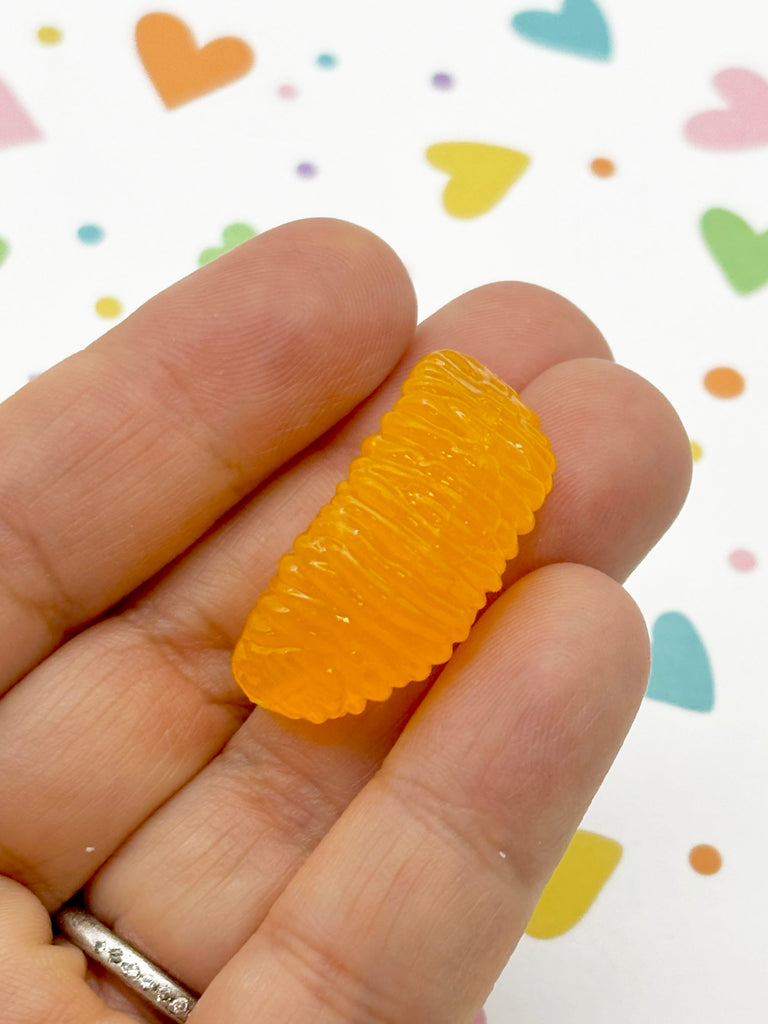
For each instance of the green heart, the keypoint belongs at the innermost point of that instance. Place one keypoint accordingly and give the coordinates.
(232, 236)
(741, 252)
(4, 250)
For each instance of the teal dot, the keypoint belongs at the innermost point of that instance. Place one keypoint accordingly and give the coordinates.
(327, 60)
(90, 234)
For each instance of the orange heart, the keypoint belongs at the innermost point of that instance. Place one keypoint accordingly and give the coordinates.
(179, 69)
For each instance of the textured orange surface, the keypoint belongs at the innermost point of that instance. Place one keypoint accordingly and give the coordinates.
(392, 571)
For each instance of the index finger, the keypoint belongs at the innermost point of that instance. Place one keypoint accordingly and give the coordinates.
(117, 459)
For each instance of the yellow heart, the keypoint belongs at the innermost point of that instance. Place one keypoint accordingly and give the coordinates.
(480, 174)
(573, 888)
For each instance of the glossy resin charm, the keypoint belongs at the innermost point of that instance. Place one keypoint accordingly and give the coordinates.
(392, 572)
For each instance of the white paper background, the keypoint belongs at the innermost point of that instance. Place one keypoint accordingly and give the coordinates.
(661, 943)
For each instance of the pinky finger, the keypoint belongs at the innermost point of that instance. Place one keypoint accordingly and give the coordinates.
(412, 904)
(42, 982)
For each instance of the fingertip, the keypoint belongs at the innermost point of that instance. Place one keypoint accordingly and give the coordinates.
(343, 262)
(617, 618)
(23, 919)
(517, 329)
(623, 466)
(676, 442)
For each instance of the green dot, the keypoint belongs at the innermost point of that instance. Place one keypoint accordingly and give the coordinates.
(327, 60)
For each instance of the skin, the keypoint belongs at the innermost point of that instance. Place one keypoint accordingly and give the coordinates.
(294, 872)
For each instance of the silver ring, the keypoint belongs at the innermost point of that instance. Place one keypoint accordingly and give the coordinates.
(100, 944)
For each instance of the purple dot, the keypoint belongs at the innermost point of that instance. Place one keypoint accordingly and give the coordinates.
(306, 170)
(742, 561)
(442, 81)
(287, 92)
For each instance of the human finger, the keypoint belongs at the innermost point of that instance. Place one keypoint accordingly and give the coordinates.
(117, 459)
(412, 904)
(41, 981)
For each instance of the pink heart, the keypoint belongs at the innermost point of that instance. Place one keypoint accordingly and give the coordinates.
(15, 123)
(744, 123)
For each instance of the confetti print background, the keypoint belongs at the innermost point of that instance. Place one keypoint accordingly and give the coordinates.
(616, 152)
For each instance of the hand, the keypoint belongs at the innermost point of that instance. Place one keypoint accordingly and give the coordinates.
(381, 867)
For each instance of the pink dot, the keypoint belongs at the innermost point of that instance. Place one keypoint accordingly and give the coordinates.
(742, 561)
(480, 1018)
(287, 92)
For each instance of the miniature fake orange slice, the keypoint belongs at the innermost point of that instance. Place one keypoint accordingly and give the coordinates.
(392, 572)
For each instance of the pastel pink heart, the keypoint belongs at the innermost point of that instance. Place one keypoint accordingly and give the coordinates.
(15, 123)
(743, 123)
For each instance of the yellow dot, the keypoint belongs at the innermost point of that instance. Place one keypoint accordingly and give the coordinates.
(49, 35)
(724, 382)
(705, 859)
(109, 307)
(696, 451)
(602, 167)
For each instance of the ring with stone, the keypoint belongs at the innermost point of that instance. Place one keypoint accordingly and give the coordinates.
(138, 973)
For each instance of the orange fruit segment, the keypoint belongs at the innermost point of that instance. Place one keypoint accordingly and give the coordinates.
(392, 572)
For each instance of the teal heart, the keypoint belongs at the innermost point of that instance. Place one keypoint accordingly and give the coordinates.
(680, 669)
(741, 252)
(232, 236)
(580, 28)
(4, 250)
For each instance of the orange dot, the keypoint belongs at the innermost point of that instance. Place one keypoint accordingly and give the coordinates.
(724, 382)
(602, 167)
(705, 859)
